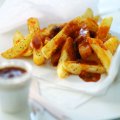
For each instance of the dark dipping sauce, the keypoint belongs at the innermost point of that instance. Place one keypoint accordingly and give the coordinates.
(11, 72)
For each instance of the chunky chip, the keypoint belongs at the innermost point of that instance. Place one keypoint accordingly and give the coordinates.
(37, 41)
(101, 51)
(112, 44)
(66, 54)
(28, 52)
(76, 68)
(17, 38)
(33, 25)
(88, 14)
(19, 49)
(56, 56)
(38, 58)
(104, 28)
(37, 44)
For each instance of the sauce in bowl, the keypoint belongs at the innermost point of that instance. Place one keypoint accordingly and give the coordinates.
(11, 72)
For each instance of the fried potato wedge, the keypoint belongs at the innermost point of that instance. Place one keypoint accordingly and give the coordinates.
(104, 28)
(112, 44)
(66, 54)
(67, 51)
(76, 68)
(37, 44)
(60, 38)
(28, 52)
(55, 57)
(47, 31)
(53, 44)
(97, 18)
(85, 50)
(91, 24)
(61, 72)
(33, 24)
(93, 58)
(88, 14)
(17, 50)
(18, 36)
(38, 58)
(103, 54)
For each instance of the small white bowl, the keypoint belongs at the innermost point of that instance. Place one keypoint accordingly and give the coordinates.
(14, 92)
